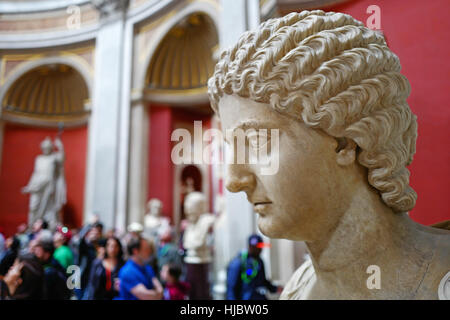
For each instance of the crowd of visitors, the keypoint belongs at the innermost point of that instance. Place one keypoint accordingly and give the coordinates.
(89, 264)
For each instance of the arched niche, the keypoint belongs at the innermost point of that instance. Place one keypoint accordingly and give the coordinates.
(38, 97)
(46, 95)
(183, 62)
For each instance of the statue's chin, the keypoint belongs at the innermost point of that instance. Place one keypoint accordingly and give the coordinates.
(268, 228)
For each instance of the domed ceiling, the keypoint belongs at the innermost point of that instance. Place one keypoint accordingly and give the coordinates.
(54, 92)
(184, 59)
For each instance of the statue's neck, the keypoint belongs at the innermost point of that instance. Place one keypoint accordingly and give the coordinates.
(369, 233)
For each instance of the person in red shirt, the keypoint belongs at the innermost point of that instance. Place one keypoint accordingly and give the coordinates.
(174, 288)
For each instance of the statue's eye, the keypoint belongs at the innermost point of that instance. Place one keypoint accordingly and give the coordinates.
(258, 139)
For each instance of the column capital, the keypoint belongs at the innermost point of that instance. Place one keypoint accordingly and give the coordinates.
(110, 9)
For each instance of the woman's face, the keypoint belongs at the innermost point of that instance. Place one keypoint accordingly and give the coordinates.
(112, 248)
(304, 198)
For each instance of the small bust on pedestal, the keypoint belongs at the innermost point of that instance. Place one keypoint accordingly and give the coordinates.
(195, 242)
(154, 224)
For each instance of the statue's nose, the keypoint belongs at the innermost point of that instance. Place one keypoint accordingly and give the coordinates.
(240, 178)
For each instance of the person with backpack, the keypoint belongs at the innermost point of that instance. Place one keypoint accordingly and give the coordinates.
(246, 278)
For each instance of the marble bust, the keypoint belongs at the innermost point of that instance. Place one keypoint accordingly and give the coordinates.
(155, 224)
(195, 242)
(47, 185)
(334, 90)
(197, 229)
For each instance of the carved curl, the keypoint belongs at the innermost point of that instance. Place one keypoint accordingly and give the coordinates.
(336, 75)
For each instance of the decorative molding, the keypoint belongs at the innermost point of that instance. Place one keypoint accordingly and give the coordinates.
(179, 99)
(110, 8)
(66, 37)
(16, 7)
(43, 123)
(18, 60)
(48, 39)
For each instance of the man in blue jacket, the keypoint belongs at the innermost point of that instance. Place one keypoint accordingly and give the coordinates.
(246, 278)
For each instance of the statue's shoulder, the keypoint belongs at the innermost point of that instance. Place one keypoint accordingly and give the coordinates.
(41, 156)
(440, 247)
(435, 283)
(206, 220)
(151, 221)
(442, 263)
(301, 280)
(50, 158)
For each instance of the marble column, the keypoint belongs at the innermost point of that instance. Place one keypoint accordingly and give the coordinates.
(104, 126)
(138, 162)
(127, 102)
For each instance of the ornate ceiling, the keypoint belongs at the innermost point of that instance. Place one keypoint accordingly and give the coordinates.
(184, 59)
(52, 93)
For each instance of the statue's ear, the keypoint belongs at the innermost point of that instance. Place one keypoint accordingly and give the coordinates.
(346, 151)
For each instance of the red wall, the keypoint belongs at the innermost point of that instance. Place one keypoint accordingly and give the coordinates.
(417, 31)
(160, 178)
(161, 168)
(188, 117)
(20, 147)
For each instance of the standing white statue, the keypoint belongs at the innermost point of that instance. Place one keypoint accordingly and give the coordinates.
(195, 242)
(155, 224)
(47, 185)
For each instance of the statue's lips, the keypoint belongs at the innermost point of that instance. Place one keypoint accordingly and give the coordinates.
(261, 207)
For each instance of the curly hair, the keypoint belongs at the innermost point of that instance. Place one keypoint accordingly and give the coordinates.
(334, 74)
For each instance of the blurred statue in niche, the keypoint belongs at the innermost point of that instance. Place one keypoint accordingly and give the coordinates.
(47, 185)
(197, 245)
(188, 187)
(333, 88)
(155, 224)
